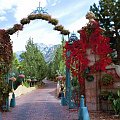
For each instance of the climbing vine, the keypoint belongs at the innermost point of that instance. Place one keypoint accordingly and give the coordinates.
(5, 52)
(88, 55)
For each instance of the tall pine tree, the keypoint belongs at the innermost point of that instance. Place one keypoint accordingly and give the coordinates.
(33, 61)
(108, 14)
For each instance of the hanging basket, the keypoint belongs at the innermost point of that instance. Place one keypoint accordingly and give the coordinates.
(46, 17)
(32, 17)
(11, 31)
(65, 32)
(90, 78)
(107, 79)
(104, 95)
(25, 21)
(39, 16)
(21, 76)
(12, 79)
(53, 21)
(18, 27)
(59, 28)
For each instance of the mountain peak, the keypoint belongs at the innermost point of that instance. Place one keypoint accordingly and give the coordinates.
(48, 51)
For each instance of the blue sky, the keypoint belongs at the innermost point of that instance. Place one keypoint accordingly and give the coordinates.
(70, 13)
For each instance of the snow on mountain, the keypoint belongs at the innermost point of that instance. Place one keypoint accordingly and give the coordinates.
(47, 50)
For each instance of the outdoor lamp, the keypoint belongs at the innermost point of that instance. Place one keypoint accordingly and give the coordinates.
(72, 38)
(68, 94)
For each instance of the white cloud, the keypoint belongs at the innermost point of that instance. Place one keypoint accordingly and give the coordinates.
(39, 37)
(6, 4)
(23, 7)
(77, 25)
(67, 10)
(2, 18)
(55, 2)
(41, 33)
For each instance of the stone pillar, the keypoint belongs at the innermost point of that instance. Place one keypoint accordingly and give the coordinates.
(92, 87)
(92, 93)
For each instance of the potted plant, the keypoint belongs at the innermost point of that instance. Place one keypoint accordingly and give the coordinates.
(13, 79)
(65, 32)
(32, 17)
(90, 78)
(86, 74)
(104, 95)
(18, 27)
(20, 78)
(107, 79)
(115, 99)
(39, 16)
(53, 21)
(25, 21)
(46, 17)
(59, 28)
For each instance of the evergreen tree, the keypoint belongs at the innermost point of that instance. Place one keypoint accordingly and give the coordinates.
(15, 65)
(57, 66)
(33, 61)
(108, 14)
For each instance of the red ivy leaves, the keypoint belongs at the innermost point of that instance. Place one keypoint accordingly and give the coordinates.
(99, 45)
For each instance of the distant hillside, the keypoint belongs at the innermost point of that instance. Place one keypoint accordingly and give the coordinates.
(47, 50)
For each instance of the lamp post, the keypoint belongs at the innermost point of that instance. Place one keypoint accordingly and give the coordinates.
(68, 92)
(13, 102)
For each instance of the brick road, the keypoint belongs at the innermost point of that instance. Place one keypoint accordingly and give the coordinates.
(40, 104)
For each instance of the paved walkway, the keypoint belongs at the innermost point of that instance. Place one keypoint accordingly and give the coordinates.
(40, 104)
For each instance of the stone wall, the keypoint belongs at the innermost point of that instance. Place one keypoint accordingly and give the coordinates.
(94, 88)
(91, 93)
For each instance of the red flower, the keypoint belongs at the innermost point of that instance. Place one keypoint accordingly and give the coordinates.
(21, 76)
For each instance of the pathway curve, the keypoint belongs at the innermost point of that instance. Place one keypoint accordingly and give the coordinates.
(40, 104)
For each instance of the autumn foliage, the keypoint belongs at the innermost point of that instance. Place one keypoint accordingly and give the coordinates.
(92, 40)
